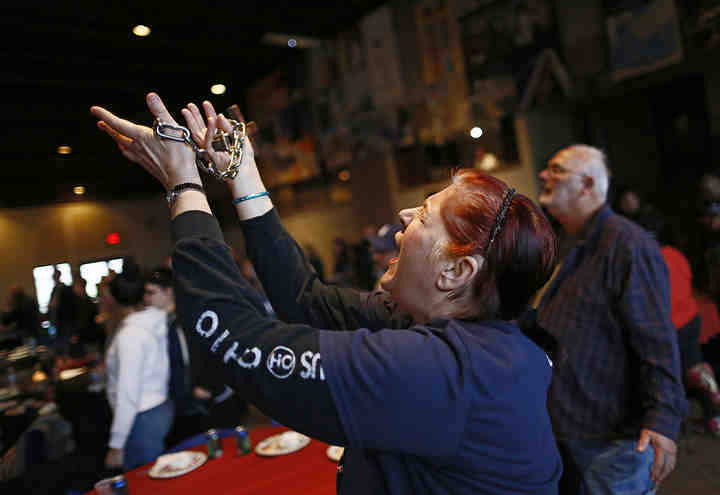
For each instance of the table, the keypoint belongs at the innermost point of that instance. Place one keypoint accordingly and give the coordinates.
(308, 471)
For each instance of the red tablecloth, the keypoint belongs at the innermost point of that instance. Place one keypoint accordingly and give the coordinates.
(308, 471)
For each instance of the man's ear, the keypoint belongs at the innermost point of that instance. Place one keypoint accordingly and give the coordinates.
(459, 272)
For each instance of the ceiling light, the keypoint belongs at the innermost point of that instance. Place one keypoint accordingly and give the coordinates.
(489, 162)
(476, 132)
(291, 40)
(64, 150)
(217, 89)
(344, 175)
(39, 376)
(79, 190)
(141, 30)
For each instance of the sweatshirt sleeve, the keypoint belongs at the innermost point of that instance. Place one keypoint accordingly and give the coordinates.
(275, 365)
(130, 351)
(297, 293)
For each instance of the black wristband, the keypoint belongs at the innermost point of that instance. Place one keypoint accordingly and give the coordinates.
(173, 193)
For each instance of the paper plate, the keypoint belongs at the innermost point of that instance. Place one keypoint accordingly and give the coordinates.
(10, 404)
(281, 444)
(8, 393)
(177, 464)
(72, 373)
(335, 453)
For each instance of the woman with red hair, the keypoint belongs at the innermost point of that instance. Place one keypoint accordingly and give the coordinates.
(431, 386)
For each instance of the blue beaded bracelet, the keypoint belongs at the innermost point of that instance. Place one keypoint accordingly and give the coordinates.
(239, 200)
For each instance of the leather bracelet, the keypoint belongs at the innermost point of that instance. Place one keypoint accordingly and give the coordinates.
(239, 200)
(173, 193)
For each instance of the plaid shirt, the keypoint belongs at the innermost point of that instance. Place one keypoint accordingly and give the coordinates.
(618, 368)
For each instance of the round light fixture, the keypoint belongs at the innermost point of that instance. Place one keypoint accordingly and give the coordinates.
(79, 190)
(141, 30)
(292, 42)
(64, 150)
(217, 89)
(476, 132)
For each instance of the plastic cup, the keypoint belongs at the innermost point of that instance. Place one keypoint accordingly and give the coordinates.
(104, 487)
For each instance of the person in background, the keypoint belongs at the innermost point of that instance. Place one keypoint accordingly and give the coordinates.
(189, 416)
(704, 237)
(85, 329)
(343, 273)
(376, 372)
(21, 318)
(616, 399)
(384, 250)
(137, 367)
(632, 205)
(698, 374)
(363, 265)
(53, 304)
(64, 311)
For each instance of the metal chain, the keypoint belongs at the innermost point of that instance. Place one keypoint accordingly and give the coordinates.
(221, 142)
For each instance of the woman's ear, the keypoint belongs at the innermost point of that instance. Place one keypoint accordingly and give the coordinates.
(459, 272)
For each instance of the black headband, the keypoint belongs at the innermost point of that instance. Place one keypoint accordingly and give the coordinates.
(500, 218)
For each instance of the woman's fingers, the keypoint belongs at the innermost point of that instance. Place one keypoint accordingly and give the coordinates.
(195, 122)
(122, 141)
(197, 117)
(211, 126)
(209, 110)
(167, 161)
(158, 109)
(122, 126)
(220, 158)
(197, 132)
(224, 124)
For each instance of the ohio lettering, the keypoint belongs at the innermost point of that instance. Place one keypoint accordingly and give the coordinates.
(281, 362)
(312, 368)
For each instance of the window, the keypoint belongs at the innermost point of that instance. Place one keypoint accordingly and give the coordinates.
(44, 283)
(93, 272)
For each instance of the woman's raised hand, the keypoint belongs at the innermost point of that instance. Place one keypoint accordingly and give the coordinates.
(203, 133)
(170, 162)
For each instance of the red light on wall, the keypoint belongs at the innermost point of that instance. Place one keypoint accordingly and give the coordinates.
(113, 238)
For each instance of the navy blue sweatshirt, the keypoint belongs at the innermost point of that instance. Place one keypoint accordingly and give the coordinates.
(448, 407)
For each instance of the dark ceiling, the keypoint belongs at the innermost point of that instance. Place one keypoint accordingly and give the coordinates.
(60, 59)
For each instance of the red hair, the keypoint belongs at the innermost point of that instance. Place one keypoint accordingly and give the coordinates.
(520, 259)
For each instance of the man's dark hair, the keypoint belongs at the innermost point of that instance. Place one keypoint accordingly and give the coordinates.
(128, 287)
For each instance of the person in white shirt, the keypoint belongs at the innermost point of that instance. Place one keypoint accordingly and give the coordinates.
(137, 373)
